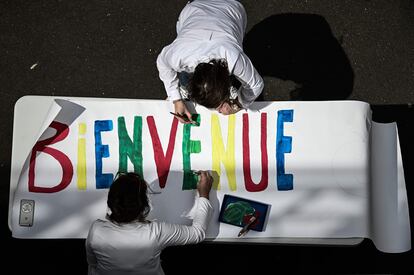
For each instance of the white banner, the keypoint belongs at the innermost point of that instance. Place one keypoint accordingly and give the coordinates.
(309, 160)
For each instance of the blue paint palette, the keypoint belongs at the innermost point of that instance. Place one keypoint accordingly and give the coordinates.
(238, 211)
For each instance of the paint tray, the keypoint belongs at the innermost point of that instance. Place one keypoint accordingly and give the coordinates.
(238, 211)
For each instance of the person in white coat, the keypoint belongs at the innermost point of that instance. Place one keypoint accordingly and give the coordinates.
(206, 63)
(127, 243)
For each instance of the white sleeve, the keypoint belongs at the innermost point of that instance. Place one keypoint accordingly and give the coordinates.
(176, 234)
(168, 75)
(252, 82)
(90, 255)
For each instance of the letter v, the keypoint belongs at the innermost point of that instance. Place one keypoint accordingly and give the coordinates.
(162, 161)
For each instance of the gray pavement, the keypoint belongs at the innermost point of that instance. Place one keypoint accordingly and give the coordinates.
(108, 49)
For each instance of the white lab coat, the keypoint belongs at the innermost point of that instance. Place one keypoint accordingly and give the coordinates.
(210, 29)
(135, 248)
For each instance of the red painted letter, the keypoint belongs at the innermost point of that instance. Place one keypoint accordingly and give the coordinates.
(162, 161)
(62, 132)
(248, 182)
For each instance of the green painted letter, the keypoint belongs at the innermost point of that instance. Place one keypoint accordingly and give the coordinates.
(190, 146)
(128, 148)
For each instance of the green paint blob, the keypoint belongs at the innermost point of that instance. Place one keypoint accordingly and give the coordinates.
(190, 146)
(236, 211)
(128, 148)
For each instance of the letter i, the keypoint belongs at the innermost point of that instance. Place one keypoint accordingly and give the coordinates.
(81, 167)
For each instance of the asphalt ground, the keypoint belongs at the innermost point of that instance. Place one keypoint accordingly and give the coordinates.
(311, 50)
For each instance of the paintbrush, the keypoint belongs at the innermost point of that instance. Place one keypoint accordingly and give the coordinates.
(185, 118)
(247, 226)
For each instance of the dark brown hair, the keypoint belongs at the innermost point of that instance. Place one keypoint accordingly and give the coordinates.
(210, 84)
(127, 198)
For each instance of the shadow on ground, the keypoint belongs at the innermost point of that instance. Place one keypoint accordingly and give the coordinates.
(301, 48)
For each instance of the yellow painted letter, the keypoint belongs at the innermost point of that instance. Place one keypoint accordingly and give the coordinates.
(220, 155)
(81, 167)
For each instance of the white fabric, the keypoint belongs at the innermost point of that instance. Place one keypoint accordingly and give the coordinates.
(135, 248)
(210, 29)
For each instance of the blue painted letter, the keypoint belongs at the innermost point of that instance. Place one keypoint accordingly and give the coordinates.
(283, 145)
(102, 151)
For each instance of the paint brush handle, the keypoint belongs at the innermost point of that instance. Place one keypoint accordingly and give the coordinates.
(179, 116)
(247, 226)
(184, 117)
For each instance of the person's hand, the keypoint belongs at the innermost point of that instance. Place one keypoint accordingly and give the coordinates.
(205, 181)
(227, 109)
(181, 109)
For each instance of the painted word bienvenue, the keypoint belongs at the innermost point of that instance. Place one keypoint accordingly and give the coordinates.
(132, 149)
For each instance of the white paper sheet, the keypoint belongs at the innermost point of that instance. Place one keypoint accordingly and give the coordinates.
(390, 229)
(329, 161)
